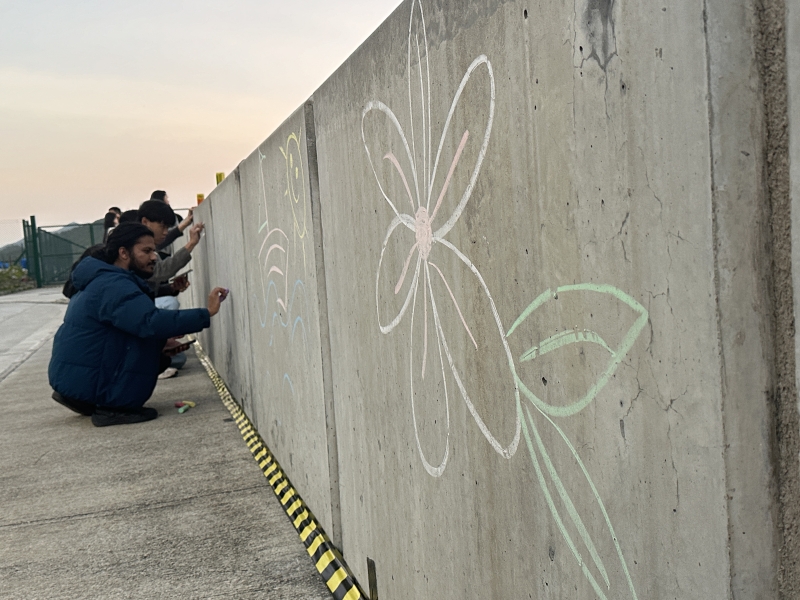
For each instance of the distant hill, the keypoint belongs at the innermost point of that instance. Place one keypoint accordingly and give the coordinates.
(71, 239)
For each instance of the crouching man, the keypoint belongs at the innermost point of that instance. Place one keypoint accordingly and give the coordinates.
(106, 354)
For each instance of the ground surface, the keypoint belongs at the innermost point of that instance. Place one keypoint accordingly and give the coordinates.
(173, 508)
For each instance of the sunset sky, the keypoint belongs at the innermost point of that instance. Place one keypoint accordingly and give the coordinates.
(103, 102)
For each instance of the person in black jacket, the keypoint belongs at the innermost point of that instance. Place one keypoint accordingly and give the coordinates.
(106, 354)
(176, 231)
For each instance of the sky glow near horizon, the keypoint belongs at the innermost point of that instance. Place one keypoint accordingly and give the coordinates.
(100, 103)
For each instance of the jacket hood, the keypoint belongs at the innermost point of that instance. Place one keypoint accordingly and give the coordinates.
(90, 269)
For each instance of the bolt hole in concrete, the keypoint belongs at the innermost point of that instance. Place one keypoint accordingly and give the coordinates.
(544, 381)
(525, 13)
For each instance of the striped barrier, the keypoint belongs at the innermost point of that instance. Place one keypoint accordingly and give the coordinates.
(327, 558)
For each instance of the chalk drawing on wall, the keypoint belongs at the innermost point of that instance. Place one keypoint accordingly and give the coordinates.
(417, 231)
(296, 190)
(282, 302)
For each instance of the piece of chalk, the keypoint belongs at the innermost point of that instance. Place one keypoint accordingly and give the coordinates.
(179, 404)
(183, 409)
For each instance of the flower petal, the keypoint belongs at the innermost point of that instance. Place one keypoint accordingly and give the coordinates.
(475, 347)
(390, 156)
(462, 146)
(419, 100)
(432, 382)
(398, 272)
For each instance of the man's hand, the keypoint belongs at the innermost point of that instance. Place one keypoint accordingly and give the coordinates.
(194, 236)
(187, 221)
(216, 297)
(180, 283)
(175, 350)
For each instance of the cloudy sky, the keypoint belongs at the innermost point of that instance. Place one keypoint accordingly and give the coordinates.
(103, 102)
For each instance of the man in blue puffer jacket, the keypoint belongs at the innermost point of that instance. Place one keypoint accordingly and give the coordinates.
(106, 354)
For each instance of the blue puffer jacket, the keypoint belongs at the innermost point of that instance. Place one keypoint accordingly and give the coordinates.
(107, 350)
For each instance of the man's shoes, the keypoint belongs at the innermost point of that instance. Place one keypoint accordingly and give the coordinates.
(168, 372)
(103, 417)
(79, 406)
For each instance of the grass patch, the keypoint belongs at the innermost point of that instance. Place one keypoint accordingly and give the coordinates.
(15, 279)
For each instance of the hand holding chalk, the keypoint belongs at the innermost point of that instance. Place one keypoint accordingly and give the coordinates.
(217, 295)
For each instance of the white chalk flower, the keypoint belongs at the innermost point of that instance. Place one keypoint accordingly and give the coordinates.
(428, 281)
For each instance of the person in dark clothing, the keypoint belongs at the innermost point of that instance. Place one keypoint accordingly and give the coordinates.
(106, 353)
(98, 251)
(159, 217)
(182, 224)
(129, 216)
(110, 221)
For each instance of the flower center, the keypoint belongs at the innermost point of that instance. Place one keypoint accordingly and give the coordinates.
(422, 224)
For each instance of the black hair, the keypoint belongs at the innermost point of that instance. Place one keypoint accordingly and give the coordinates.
(115, 209)
(158, 212)
(97, 251)
(109, 220)
(124, 236)
(158, 195)
(129, 216)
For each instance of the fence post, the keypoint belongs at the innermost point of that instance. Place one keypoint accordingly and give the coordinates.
(25, 238)
(91, 234)
(33, 261)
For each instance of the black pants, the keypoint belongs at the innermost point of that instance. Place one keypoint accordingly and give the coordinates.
(163, 362)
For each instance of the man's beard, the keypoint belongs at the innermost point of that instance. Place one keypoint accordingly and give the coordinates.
(141, 273)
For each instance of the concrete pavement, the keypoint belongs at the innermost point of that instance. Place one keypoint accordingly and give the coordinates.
(173, 508)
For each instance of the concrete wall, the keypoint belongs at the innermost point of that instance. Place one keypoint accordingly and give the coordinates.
(502, 302)
(267, 342)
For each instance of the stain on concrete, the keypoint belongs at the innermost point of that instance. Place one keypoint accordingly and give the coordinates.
(598, 23)
(457, 22)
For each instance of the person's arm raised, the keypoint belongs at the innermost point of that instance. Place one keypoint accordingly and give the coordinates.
(187, 221)
(194, 236)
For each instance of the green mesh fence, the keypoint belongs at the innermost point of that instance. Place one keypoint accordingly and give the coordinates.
(59, 249)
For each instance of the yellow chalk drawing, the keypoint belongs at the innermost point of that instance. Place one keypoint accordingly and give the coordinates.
(296, 189)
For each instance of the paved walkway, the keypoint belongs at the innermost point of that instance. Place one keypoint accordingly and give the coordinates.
(173, 508)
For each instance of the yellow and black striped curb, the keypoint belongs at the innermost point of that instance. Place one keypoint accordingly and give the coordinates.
(325, 555)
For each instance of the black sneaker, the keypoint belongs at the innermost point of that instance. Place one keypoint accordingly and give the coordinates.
(79, 406)
(103, 417)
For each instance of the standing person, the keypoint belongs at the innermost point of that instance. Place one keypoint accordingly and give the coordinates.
(160, 195)
(106, 353)
(110, 221)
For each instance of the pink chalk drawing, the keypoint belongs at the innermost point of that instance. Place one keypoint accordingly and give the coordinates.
(433, 271)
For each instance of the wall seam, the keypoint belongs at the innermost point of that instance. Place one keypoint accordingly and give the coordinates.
(772, 64)
(324, 325)
(715, 244)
